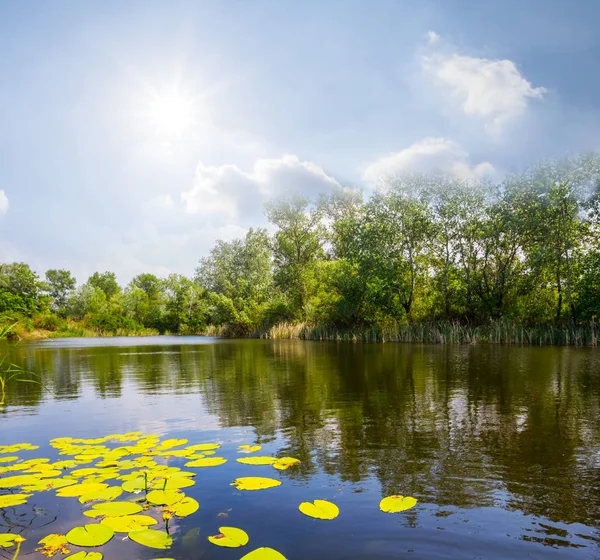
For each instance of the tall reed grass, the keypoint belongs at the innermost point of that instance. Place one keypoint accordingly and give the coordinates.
(445, 332)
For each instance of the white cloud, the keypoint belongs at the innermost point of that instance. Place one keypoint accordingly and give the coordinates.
(3, 202)
(425, 156)
(492, 90)
(432, 37)
(227, 191)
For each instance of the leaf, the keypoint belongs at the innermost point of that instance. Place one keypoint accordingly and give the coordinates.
(8, 539)
(113, 509)
(173, 483)
(9, 459)
(92, 534)
(53, 544)
(264, 553)
(185, 507)
(230, 537)
(151, 538)
(85, 556)
(80, 489)
(285, 463)
(249, 448)
(255, 483)
(19, 480)
(169, 443)
(257, 460)
(135, 485)
(203, 447)
(319, 509)
(394, 504)
(164, 497)
(49, 484)
(110, 493)
(11, 500)
(207, 462)
(127, 523)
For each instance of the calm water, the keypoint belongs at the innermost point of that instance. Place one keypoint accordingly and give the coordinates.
(501, 446)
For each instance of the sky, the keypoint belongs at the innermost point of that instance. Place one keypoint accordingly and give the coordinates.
(135, 134)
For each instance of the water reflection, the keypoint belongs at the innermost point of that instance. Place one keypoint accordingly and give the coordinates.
(459, 427)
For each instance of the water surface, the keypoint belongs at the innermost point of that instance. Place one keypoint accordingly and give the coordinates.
(500, 445)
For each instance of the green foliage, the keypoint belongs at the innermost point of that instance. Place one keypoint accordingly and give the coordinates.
(59, 286)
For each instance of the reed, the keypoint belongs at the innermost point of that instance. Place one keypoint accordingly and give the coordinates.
(446, 332)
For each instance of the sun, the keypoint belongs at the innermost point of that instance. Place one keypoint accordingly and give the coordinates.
(171, 114)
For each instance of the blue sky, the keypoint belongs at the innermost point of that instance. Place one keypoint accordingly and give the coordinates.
(133, 134)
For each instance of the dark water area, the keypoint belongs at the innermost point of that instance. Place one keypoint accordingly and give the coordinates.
(500, 445)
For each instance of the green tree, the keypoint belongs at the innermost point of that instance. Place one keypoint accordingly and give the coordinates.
(297, 248)
(20, 289)
(106, 281)
(60, 284)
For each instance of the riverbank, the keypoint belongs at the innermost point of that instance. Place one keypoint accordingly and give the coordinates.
(439, 332)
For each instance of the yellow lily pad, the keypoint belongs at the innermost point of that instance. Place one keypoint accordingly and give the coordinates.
(113, 509)
(85, 556)
(255, 483)
(164, 497)
(285, 463)
(264, 553)
(173, 483)
(77, 490)
(259, 460)
(185, 507)
(135, 485)
(319, 509)
(19, 480)
(11, 500)
(127, 523)
(8, 539)
(207, 462)
(249, 448)
(92, 534)
(151, 538)
(110, 493)
(17, 447)
(53, 544)
(203, 447)
(170, 443)
(394, 504)
(9, 459)
(49, 484)
(230, 537)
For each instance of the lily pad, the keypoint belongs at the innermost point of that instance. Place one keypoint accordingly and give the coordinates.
(173, 483)
(319, 509)
(92, 534)
(19, 480)
(185, 507)
(249, 448)
(77, 490)
(285, 463)
(264, 553)
(110, 493)
(49, 484)
(11, 500)
(8, 539)
(230, 537)
(259, 460)
(207, 462)
(85, 556)
(135, 485)
(203, 447)
(127, 523)
(9, 459)
(151, 538)
(164, 497)
(255, 483)
(113, 509)
(394, 504)
(53, 544)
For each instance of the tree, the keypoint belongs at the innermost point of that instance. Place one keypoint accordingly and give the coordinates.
(60, 284)
(106, 281)
(297, 247)
(20, 289)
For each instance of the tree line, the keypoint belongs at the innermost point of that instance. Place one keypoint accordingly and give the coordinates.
(421, 248)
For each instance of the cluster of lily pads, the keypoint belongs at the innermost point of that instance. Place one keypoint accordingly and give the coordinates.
(151, 487)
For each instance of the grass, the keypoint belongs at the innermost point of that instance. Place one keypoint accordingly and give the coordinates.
(445, 332)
